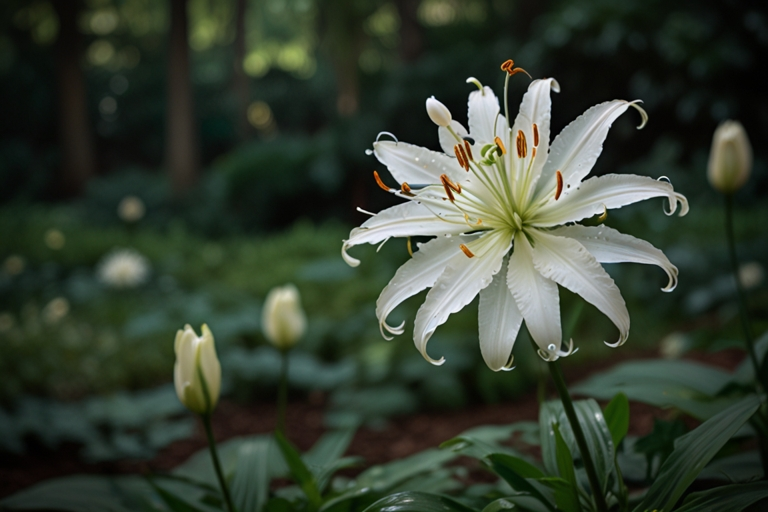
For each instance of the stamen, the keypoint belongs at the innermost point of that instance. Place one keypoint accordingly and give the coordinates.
(408, 245)
(469, 150)
(604, 215)
(464, 157)
(533, 153)
(509, 67)
(559, 190)
(459, 157)
(450, 187)
(535, 135)
(472, 224)
(522, 145)
(466, 251)
(380, 183)
(406, 189)
(500, 146)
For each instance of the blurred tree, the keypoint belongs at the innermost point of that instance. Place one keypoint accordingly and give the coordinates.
(181, 142)
(239, 78)
(411, 31)
(343, 40)
(75, 138)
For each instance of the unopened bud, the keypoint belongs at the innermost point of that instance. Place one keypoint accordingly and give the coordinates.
(283, 320)
(197, 372)
(730, 160)
(438, 113)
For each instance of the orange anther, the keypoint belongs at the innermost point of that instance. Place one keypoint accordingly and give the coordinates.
(466, 251)
(500, 145)
(468, 147)
(464, 157)
(379, 182)
(405, 189)
(559, 177)
(522, 145)
(535, 135)
(459, 157)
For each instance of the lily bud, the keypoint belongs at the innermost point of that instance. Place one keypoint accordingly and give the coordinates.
(438, 113)
(197, 372)
(730, 160)
(283, 320)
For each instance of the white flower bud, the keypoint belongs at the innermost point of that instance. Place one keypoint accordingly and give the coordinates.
(730, 160)
(438, 113)
(283, 321)
(197, 372)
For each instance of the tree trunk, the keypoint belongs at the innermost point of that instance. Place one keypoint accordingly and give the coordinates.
(411, 37)
(181, 143)
(75, 137)
(240, 84)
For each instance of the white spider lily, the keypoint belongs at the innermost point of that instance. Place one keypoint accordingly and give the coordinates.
(502, 204)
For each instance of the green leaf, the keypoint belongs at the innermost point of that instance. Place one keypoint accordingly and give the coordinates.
(383, 477)
(688, 386)
(740, 467)
(301, 474)
(692, 452)
(324, 458)
(596, 433)
(250, 485)
(174, 501)
(479, 442)
(733, 498)
(415, 501)
(616, 415)
(522, 502)
(517, 473)
(566, 496)
(82, 493)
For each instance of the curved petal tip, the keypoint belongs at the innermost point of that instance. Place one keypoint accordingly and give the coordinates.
(352, 262)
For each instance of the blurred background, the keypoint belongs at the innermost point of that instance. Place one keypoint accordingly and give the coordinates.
(168, 162)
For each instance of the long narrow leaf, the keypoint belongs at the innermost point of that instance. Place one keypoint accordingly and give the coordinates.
(414, 501)
(516, 472)
(733, 498)
(299, 471)
(616, 415)
(566, 496)
(692, 452)
(250, 486)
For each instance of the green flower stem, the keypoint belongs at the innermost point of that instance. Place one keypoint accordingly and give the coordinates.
(216, 464)
(570, 412)
(282, 393)
(745, 324)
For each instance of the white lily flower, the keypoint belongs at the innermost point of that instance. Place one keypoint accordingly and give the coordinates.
(502, 204)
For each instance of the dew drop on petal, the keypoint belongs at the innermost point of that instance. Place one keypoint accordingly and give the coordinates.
(551, 347)
(369, 152)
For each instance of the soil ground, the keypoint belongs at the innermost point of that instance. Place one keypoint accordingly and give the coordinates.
(398, 437)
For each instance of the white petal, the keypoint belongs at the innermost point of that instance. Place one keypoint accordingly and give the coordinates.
(536, 296)
(407, 219)
(499, 320)
(483, 115)
(609, 246)
(418, 273)
(416, 165)
(568, 263)
(595, 195)
(535, 108)
(447, 140)
(458, 285)
(575, 150)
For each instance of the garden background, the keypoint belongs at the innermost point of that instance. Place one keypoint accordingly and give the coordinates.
(241, 128)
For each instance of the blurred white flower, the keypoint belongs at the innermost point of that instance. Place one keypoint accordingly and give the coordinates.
(197, 371)
(503, 205)
(730, 159)
(55, 310)
(751, 275)
(54, 239)
(131, 209)
(123, 268)
(283, 319)
(673, 345)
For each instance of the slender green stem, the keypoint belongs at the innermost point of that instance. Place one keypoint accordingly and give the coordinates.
(745, 324)
(216, 464)
(578, 433)
(282, 393)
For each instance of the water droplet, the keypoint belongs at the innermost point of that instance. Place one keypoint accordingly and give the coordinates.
(369, 152)
(551, 347)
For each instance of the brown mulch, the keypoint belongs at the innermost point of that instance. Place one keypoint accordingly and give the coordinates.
(396, 438)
